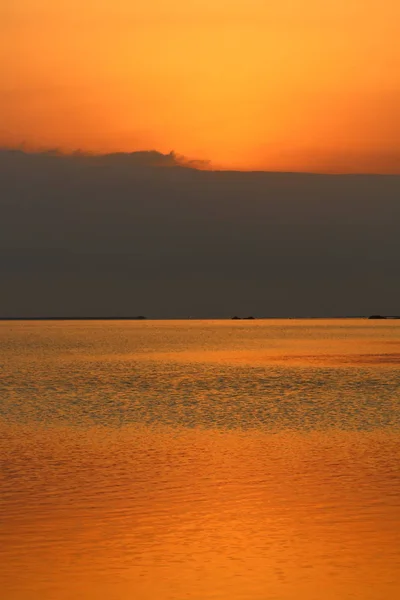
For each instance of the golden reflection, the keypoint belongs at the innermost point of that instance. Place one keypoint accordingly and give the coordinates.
(196, 460)
(160, 513)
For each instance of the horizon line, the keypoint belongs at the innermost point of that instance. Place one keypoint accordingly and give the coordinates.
(227, 318)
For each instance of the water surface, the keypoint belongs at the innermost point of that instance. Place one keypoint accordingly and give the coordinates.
(200, 459)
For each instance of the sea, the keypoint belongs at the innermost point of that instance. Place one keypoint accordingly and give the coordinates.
(196, 460)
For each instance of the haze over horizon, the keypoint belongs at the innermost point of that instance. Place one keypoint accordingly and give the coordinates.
(121, 235)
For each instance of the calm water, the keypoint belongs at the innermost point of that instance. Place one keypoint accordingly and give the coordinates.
(195, 460)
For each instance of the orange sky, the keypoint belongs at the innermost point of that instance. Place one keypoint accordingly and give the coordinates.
(250, 84)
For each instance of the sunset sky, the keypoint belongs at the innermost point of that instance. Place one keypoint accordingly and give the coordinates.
(247, 84)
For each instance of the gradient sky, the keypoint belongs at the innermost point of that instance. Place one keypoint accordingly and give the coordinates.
(248, 84)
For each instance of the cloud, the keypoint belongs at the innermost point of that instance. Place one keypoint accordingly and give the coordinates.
(120, 234)
(145, 158)
(150, 158)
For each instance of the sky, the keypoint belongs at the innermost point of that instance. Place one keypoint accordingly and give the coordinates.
(294, 85)
(140, 234)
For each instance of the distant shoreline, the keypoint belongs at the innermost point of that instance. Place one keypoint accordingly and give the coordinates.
(141, 318)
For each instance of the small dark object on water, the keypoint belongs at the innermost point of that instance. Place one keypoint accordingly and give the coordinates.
(377, 317)
(236, 318)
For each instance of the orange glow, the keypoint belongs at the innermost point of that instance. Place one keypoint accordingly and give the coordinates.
(249, 84)
(284, 507)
